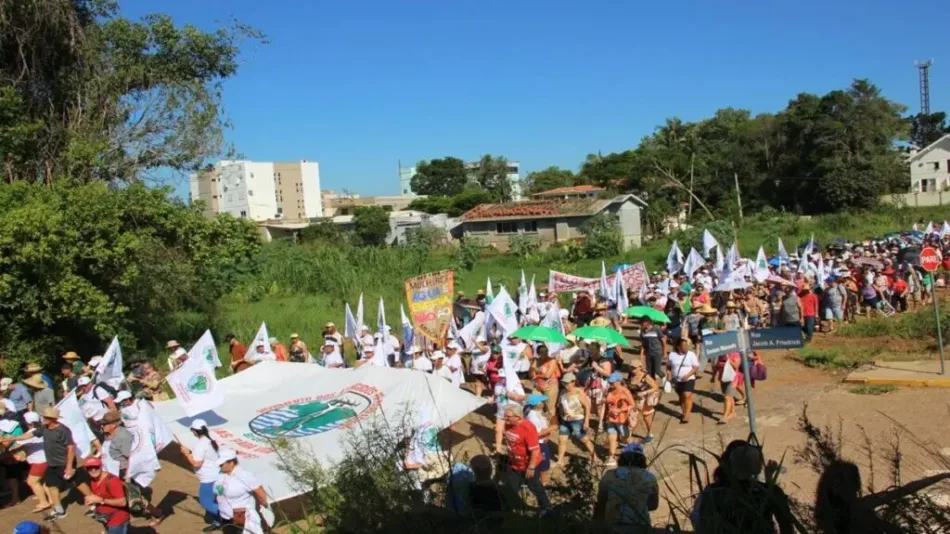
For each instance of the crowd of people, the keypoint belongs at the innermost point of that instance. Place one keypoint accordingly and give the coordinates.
(545, 394)
(36, 443)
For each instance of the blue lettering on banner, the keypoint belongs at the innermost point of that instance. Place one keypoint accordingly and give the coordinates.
(785, 337)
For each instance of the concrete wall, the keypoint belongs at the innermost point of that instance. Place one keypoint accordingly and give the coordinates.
(629, 214)
(918, 200)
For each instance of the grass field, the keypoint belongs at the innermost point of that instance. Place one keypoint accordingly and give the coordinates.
(299, 288)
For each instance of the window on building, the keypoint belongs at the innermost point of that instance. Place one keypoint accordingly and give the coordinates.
(214, 197)
(948, 165)
(280, 211)
(936, 165)
(243, 213)
(512, 170)
(506, 228)
(531, 226)
(250, 192)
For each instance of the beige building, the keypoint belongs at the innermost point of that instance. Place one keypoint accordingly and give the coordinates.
(260, 191)
(550, 220)
(336, 205)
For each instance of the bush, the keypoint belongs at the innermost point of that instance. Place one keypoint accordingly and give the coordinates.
(523, 246)
(325, 232)
(426, 237)
(468, 252)
(371, 224)
(603, 237)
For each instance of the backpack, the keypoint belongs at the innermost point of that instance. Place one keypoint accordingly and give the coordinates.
(109, 389)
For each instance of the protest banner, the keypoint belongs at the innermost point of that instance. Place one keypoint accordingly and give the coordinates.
(315, 409)
(430, 302)
(71, 415)
(195, 386)
(634, 277)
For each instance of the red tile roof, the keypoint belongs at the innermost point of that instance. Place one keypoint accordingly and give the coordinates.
(535, 208)
(573, 190)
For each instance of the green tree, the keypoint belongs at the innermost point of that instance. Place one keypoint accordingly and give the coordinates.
(89, 95)
(925, 129)
(603, 237)
(325, 232)
(550, 178)
(440, 177)
(469, 198)
(371, 225)
(81, 264)
(492, 174)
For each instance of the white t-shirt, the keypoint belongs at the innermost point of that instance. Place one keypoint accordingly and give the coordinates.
(33, 448)
(205, 453)
(539, 421)
(333, 359)
(445, 373)
(254, 356)
(479, 361)
(235, 491)
(422, 364)
(92, 406)
(458, 375)
(368, 341)
(680, 365)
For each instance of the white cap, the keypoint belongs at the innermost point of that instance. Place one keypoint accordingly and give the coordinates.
(480, 338)
(454, 346)
(416, 349)
(198, 424)
(438, 355)
(179, 352)
(83, 381)
(226, 455)
(94, 361)
(329, 343)
(6, 382)
(31, 417)
(364, 327)
(8, 425)
(389, 328)
(122, 396)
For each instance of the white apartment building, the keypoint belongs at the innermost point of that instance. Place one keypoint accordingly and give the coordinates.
(514, 174)
(930, 167)
(260, 191)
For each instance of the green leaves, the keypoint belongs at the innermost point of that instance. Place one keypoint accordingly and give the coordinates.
(603, 237)
(440, 177)
(371, 224)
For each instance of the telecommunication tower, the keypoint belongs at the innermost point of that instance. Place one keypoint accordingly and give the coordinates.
(924, 69)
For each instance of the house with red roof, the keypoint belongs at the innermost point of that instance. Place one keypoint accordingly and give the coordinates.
(553, 217)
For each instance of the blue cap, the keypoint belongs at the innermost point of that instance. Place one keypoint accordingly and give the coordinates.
(614, 378)
(27, 527)
(535, 399)
(633, 447)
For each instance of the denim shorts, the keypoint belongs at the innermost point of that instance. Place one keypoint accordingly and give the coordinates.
(834, 314)
(620, 429)
(573, 428)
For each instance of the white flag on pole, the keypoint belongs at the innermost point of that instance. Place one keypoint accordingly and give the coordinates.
(523, 295)
(782, 253)
(709, 243)
(381, 318)
(502, 309)
(620, 294)
(552, 319)
(359, 314)
(693, 262)
(261, 339)
(761, 271)
(205, 349)
(488, 291)
(674, 260)
(70, 414)
(110, 368)
(196, 387)
(150, 436)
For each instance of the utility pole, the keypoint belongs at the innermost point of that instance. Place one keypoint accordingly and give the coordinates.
(738, 194)
(924, 71)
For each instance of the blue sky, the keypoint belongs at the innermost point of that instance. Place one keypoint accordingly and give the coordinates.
(360, 85)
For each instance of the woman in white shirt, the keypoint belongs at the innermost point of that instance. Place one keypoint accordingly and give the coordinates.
(332, 359)
(241, 498)
(681, 368)
(204, 460)
(36, 458)
(481, 353)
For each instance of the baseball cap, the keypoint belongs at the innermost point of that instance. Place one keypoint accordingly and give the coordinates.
(6, 382)
(94, 361)
(226, 455)
(31, 417)
(568, 378)
(27, 527)
(198, 424)
(83, 381)
(535, 399)
(454, 346)
(123, 395)
(92, 462)
(614, 378)
(438, 355)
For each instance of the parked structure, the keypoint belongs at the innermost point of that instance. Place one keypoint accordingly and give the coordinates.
(551, 220)
(930, 167)
(260, 191)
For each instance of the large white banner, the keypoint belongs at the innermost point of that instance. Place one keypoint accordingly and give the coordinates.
(196, 387)
(314, 407)
(71, 415)
(110, 368)
(205, 349)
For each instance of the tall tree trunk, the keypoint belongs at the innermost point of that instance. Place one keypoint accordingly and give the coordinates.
(738, 194)
(692, 158)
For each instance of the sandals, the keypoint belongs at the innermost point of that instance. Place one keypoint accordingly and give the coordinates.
(39, 509)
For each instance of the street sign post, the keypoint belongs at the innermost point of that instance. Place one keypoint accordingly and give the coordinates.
(930, 261)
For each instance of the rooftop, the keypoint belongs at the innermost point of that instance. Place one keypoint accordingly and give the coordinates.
(573, 190)
(543, 208)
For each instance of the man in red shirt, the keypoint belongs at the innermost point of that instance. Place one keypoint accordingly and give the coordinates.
(899, 290)
(524, 455)
(809, 302)
(238, 351)
(108, 494)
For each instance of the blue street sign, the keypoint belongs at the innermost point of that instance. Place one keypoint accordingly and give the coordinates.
(718, 345)
(785, 337)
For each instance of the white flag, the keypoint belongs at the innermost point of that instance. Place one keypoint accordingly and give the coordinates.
(693, 262)
(915, 228)
(359, 314)
(945, 229)
(674, 260)
(381, 318)
(523, 295)
(196, 387)
(150, 436)
(469, 332)
(351, 328)
(552, 319)
(71, 415)
(761, 271)
(782, 253)
(720, 262)
(532, 294)
(732, 256)
(620, 293)
(821, 271)
(205, 349)
(930, 228)
(262, 339)
(606, 291)
(709, 243)
(110, 368)
(488, 292)
(502, 309)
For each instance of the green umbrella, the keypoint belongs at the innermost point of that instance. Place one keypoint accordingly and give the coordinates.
(652, 314)
(601, 333)
(539, 333)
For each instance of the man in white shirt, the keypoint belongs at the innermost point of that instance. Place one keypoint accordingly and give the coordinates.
(261, 353)
(332, 359)
(439, 368)
(454, 362)
(366, 339)
(420, 362)
(94, 400)
(391, 346)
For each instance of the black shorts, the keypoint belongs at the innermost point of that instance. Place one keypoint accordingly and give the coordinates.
(55, 477)
(15, 470)
(685, 387)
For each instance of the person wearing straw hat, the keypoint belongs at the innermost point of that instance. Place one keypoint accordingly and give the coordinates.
(60, 458)
(43, 396)
(574, 408)
(176, 356)
(330, 331)
(298, 349)
(731, 321)
(75, 361)
(70, 377)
